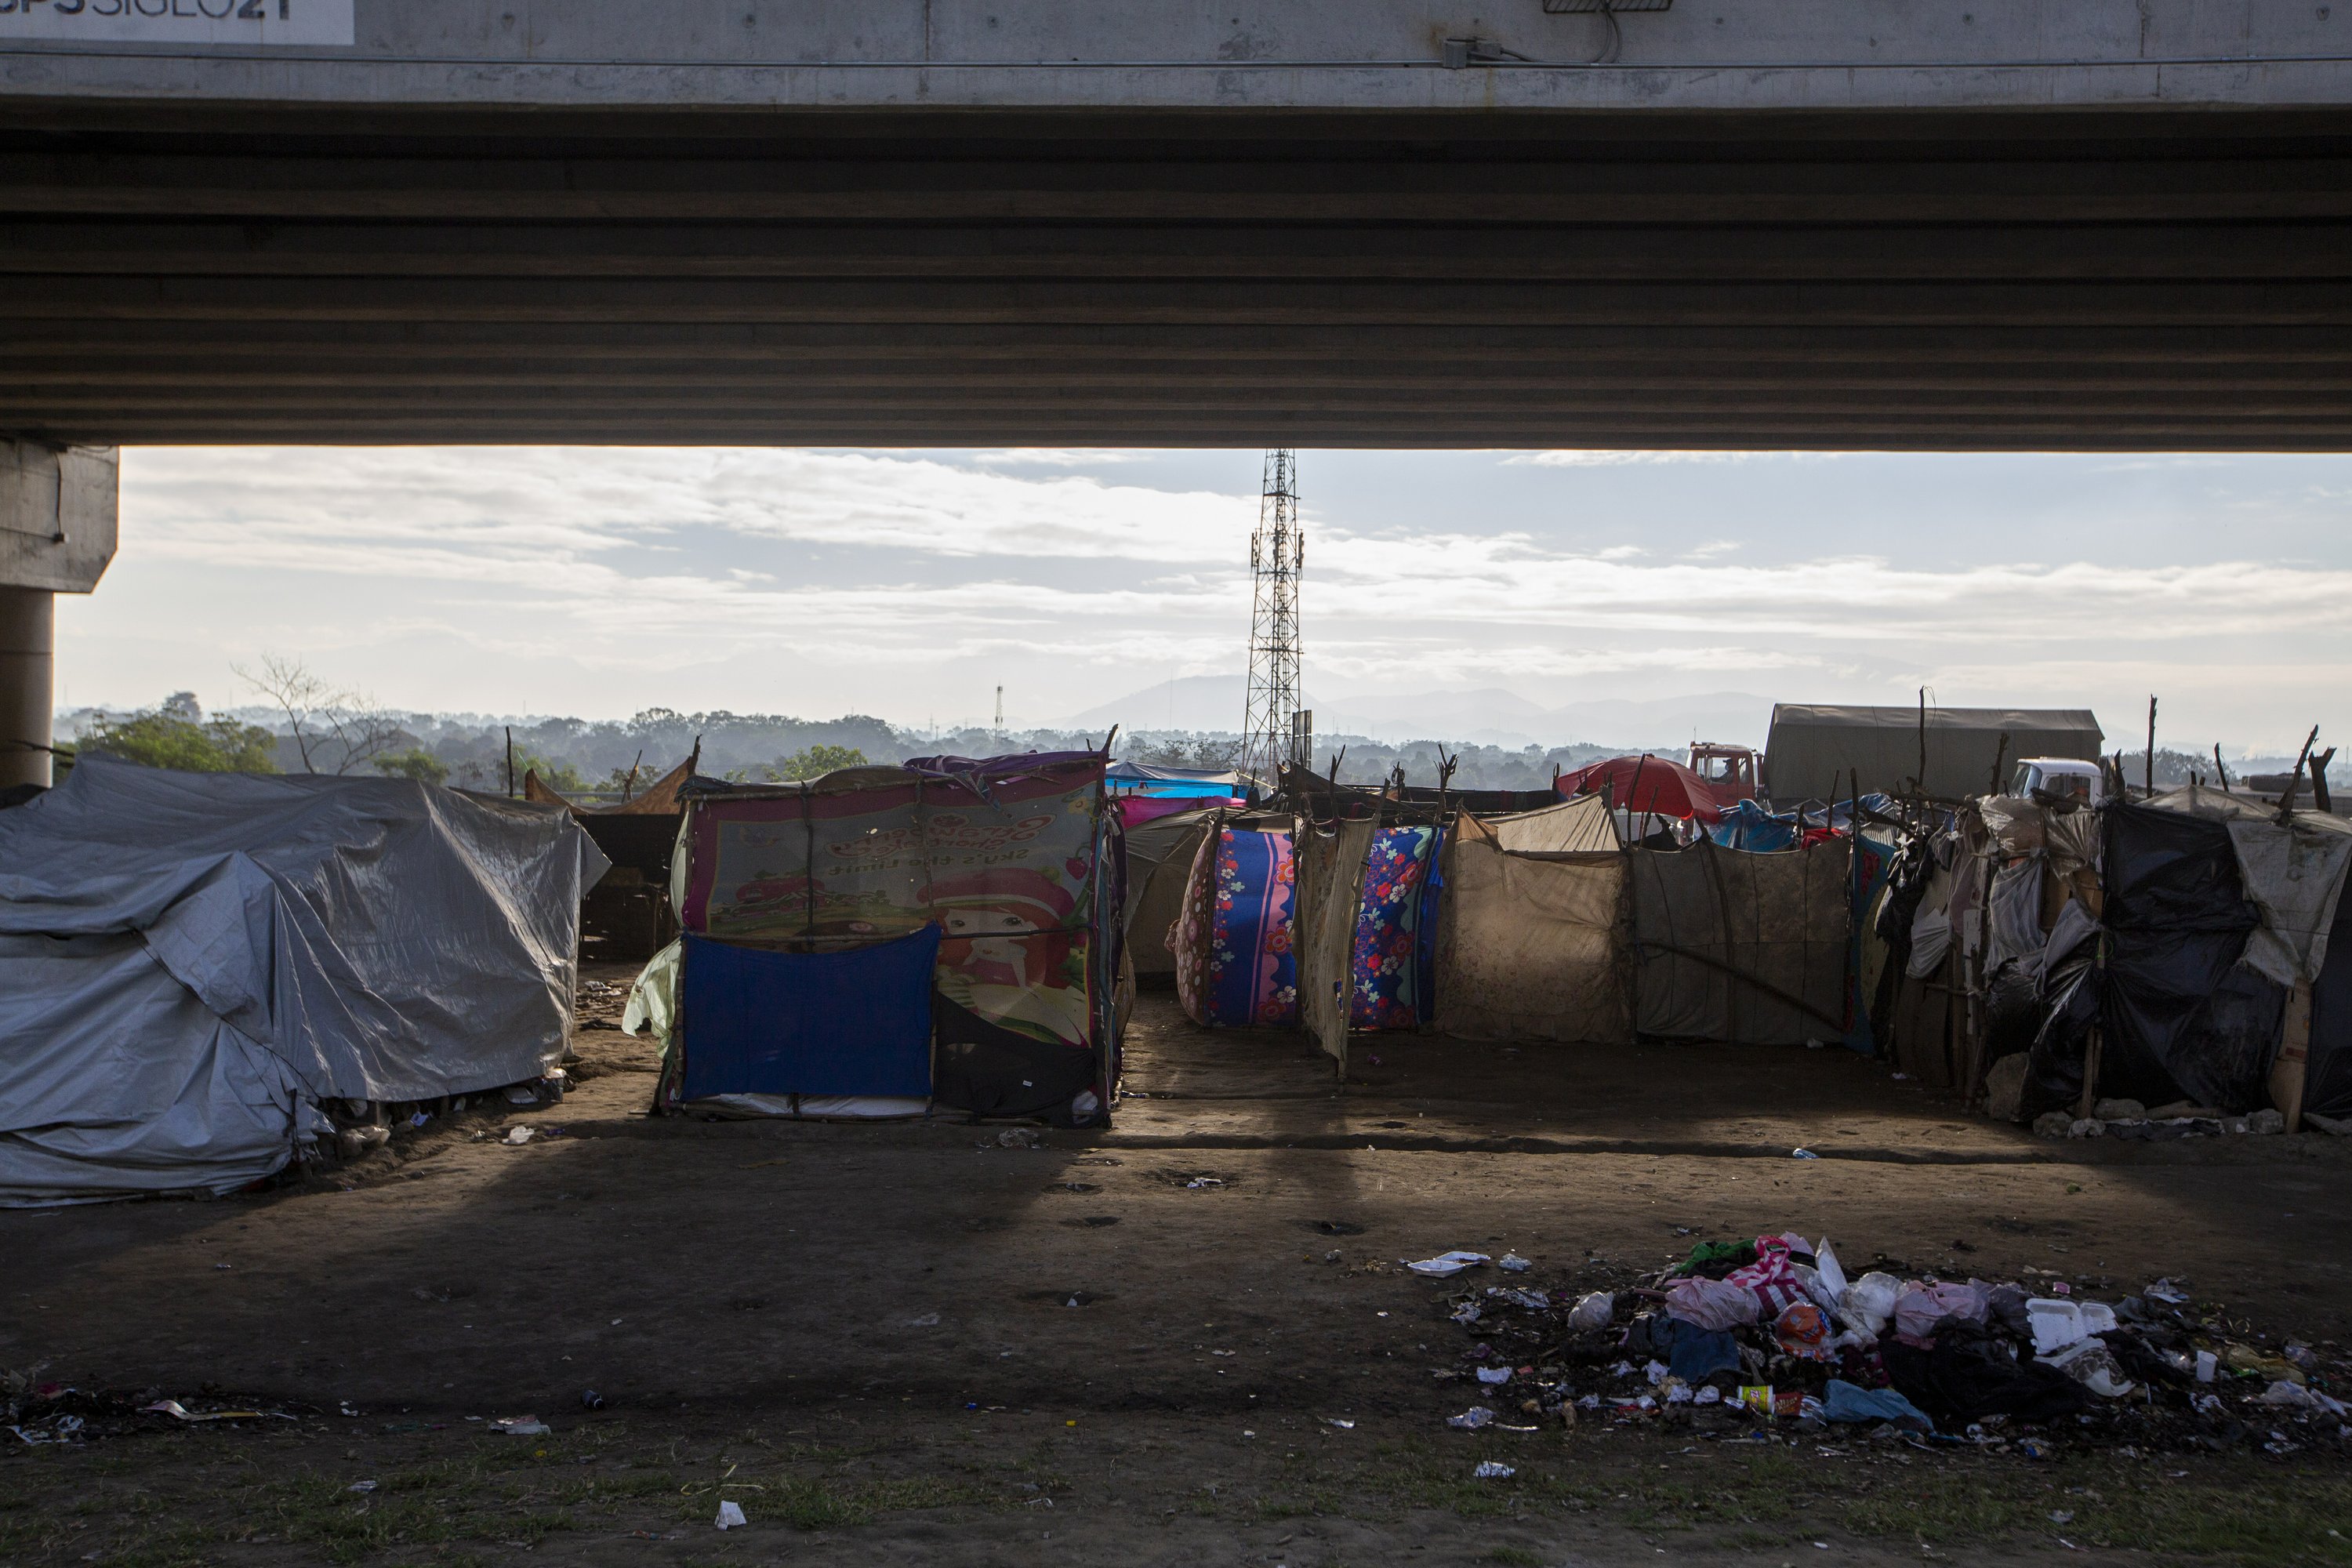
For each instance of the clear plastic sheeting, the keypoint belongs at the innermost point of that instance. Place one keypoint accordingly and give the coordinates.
(190, 963)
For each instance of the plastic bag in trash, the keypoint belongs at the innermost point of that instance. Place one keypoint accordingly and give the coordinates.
(1592, 1310)
(1445, 1265)
(730, 1514)
(1470, 1420)
(1869, 1302)
(1493, 1470)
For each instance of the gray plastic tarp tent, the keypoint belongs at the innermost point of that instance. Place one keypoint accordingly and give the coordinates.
(192, 964)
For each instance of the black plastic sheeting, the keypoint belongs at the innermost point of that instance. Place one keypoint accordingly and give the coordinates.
(2054, 1079)
(2181, 1019)
(2328, 1074)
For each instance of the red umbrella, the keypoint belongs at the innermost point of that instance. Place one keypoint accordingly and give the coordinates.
(1647, 784)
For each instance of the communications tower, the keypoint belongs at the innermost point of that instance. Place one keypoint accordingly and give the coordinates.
(1275, 730)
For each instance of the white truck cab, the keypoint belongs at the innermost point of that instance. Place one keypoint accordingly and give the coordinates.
(2064, 777)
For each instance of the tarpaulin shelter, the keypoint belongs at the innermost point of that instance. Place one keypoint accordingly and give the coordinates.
(1816, 749)
(2219, 920)
(192, 966)
(1652, 786)
(628, 913)
(1739, 947)
(1232, 945)
(659, 798)
(1152, 779)
(1160, 853)
(971, 904)
(1531, 946)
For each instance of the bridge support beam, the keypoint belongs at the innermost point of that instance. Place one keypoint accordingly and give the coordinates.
(58, 517)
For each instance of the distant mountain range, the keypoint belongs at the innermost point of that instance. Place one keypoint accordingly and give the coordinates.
(1486, 716)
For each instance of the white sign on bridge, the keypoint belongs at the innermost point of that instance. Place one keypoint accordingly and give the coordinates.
(249, 22)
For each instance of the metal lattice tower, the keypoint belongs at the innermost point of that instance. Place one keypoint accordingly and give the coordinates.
(1276, 730)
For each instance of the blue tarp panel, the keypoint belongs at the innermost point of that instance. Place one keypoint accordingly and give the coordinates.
(856, 1023)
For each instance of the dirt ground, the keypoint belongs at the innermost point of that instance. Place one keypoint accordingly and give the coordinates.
(907, 1342)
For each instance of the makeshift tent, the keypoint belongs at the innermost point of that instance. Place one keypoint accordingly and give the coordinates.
(1740, 947)
(1149, 779)
(192, 964)
(1651, 785)
(1159, 857)
(1579, 827)
(1009, 861)
(1389, 971)
(1815, 750)
(658, 798)
(627, 913)
(1331, 879)
(2180, 1018)
(2327, 1076)
(2220, 918)
(1232, 945)
(1530, 947)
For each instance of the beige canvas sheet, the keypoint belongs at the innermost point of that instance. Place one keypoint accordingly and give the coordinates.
(1531, 948)
(1330, 871)
(1577, 826)
(1741, 947)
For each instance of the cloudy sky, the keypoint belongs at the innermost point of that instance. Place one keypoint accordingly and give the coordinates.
(597, 582)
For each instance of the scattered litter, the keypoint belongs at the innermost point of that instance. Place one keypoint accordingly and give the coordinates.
(1445, 1265)
(1197, 1182)
(1335, 1421)
(520, 1427)
(55, 1429)
(420, 1119)
(360, 1486)
(1494, 1376)
(730, 1514)
(591, 1400)
(927, 1321)
(179, 1412)
(518, 1136)
(1512, 1263)
(1802, 1155)
(1470, 1420)
(1493, 1470)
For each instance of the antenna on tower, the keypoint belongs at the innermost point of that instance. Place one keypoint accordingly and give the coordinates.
(1000, 709)
(1275, 730)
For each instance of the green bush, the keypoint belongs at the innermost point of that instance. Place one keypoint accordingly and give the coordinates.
(416, 762)
(157, 739)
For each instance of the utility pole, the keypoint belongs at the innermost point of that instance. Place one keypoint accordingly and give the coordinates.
(1000, 711)
(1274, 728)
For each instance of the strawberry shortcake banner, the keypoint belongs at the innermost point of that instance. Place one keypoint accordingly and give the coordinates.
(1003, 857)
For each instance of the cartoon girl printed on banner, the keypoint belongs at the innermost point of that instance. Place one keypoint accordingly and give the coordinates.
(1007, 956)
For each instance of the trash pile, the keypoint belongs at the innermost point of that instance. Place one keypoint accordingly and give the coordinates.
(2128, 1119)
(1772, 1338)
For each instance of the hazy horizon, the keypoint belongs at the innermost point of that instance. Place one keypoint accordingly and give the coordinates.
(593, 582)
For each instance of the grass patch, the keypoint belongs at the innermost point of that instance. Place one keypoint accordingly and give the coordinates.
(2250, 1513)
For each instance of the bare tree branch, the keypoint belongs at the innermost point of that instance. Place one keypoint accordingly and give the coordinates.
(329, 724)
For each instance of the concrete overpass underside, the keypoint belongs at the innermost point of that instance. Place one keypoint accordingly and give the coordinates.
(208, 272)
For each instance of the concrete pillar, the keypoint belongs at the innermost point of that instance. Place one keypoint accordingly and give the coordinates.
(28, 625)
(59, 511)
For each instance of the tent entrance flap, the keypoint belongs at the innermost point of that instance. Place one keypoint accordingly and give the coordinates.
(855, 1023)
